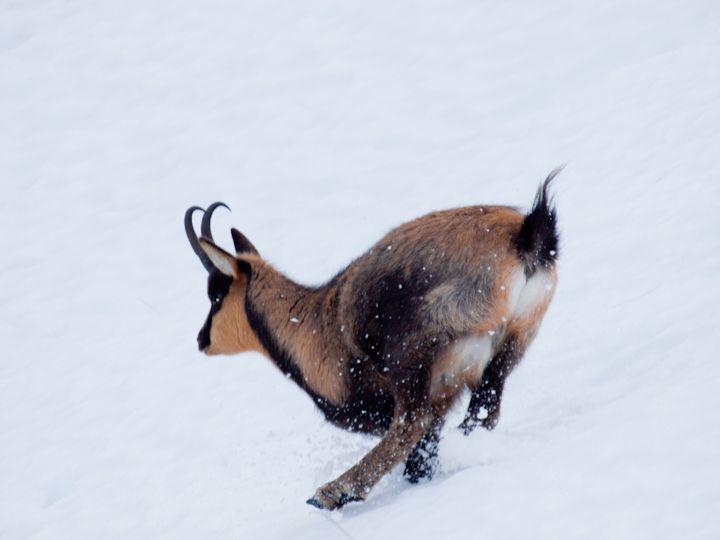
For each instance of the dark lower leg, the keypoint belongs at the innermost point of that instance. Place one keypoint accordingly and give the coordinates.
(484, 408)
(423, 460)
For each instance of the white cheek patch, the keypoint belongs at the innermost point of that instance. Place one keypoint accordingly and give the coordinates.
(526, 294)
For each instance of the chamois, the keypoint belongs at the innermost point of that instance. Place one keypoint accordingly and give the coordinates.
(448, 301)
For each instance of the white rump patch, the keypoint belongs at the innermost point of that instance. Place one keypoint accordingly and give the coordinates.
(526, 294)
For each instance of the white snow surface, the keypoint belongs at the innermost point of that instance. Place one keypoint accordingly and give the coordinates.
(323, 125)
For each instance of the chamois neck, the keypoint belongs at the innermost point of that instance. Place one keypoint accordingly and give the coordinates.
(298, 327)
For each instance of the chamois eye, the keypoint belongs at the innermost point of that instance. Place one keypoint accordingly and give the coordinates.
(215, 298)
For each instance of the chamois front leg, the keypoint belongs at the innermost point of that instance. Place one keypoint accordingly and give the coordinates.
(406, 430)
(423, 460)
(486, 397)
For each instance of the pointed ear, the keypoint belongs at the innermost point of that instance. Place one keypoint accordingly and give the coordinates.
(242, 244)
(221, 259)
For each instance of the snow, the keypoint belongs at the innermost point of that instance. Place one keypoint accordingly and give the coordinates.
(323, 125)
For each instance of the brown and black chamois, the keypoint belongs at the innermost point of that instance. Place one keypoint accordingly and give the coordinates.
(446, 302)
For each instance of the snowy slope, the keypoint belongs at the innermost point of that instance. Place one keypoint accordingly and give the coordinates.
(324, 125)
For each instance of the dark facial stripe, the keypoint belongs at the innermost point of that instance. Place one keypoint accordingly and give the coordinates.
(218, 287)
(280, 356)
(369, 410)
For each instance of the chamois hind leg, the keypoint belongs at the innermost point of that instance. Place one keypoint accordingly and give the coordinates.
(412, 418)
(484, 408)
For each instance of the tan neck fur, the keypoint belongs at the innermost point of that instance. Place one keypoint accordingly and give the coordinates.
(303, 323)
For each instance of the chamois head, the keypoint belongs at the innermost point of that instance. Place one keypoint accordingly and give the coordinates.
(226, 330)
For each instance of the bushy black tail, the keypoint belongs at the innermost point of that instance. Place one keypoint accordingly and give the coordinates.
(537, 242)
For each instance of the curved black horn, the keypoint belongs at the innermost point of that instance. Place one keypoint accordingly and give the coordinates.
(193, 239)
(205, 225)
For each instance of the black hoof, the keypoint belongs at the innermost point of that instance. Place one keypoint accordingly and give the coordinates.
(345, 498)
(490, 421)
(467, 427)
(417, 469)
(333, 505)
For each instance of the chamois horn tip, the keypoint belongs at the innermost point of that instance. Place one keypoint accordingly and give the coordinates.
(205, 225)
